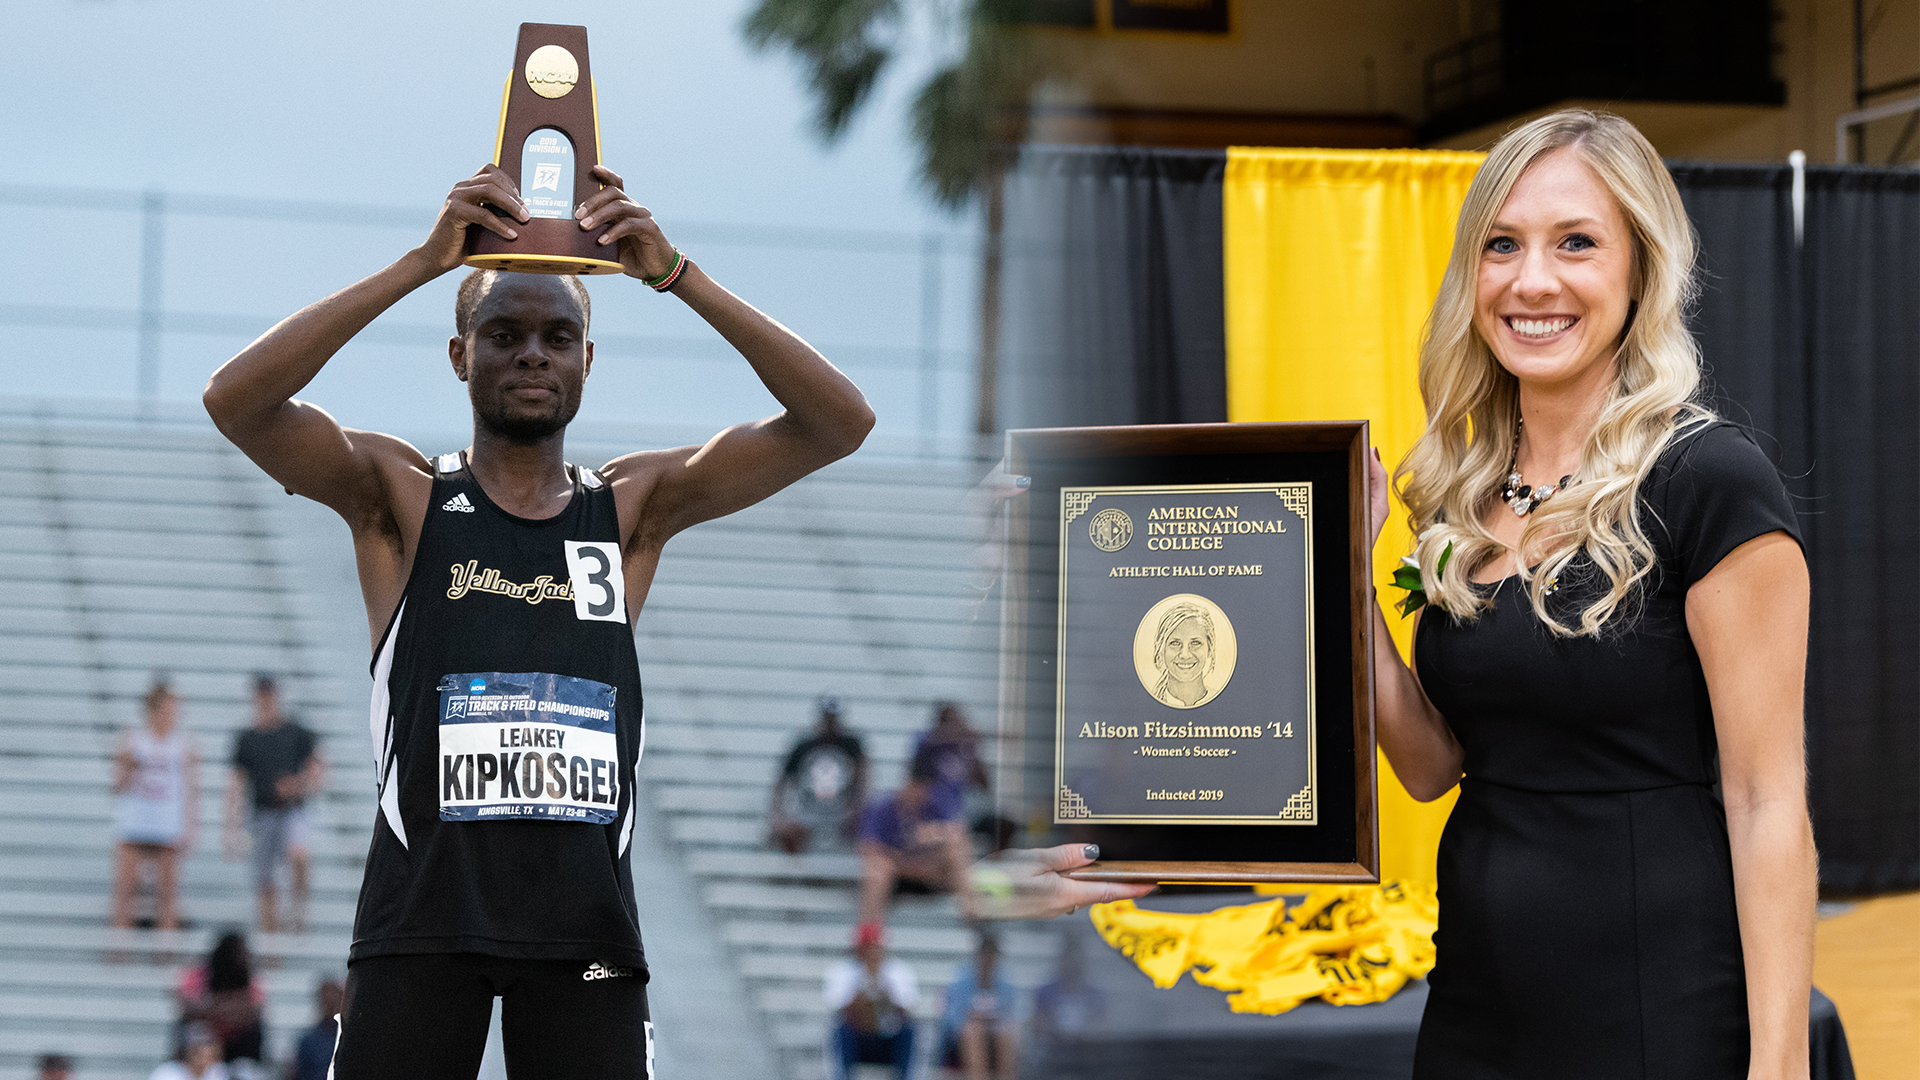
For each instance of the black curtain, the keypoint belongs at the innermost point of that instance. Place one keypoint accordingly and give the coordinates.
(1814, 342)
(1112, 296)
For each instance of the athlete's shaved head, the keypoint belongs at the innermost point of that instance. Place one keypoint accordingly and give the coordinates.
(478, 283)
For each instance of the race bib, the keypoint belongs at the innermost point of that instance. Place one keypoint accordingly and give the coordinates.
(599, 585)
(527, 745)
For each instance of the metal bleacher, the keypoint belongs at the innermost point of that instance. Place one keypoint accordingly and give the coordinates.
(130, 547)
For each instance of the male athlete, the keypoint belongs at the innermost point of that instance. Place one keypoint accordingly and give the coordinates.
(501, 586)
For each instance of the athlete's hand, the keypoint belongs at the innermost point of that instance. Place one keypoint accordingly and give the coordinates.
(471, 202)
(1028, 884)
(617, 222)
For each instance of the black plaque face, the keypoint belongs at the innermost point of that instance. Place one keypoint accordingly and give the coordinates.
(1185, 660)
(1186, 673)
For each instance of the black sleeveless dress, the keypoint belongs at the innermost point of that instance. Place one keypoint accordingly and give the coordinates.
(508, 727)
(1587, 923)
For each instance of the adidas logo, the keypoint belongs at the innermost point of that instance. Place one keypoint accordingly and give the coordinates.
(458, 502)
(597, 970)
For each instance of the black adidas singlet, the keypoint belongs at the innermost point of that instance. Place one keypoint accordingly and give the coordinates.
(508, 725)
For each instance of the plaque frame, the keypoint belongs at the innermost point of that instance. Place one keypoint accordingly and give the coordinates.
(1349, 851)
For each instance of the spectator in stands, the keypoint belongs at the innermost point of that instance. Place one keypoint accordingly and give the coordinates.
(872, 999)
(977, 1022)
(55, 1067)
(1068, 1006)
(156, 807)
(279, 763)
(198, 1059)
(313, 1054)
(905, 840)
(954, 749)
(223, 996)
(821, 787)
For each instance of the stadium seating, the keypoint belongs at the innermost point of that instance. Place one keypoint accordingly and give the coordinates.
(129, 549)
(132, 547)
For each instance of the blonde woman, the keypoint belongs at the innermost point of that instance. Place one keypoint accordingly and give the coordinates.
(1613, 662)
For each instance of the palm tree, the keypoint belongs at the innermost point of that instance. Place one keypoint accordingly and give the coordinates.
(966, 117)
(962, 115)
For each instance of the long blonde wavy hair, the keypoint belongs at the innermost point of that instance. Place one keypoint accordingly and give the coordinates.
(1453, 474)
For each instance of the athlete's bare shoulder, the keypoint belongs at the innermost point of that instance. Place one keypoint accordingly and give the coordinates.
(405, 479)
(634, 480)
(394, 483)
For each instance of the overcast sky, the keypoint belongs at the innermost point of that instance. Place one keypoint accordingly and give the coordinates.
(388, 104)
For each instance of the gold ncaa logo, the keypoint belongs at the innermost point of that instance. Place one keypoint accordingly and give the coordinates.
(1110, 529)
(552, 71)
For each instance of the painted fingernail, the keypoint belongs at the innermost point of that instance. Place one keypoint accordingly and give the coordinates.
(513, 234)
(586, 223)
(1023, 481)
(1091, 851)
(603, 239)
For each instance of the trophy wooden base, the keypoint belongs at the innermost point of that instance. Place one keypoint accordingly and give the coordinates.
(545, 246)
(542, 264)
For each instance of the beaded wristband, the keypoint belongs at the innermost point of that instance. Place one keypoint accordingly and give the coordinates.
(665, 281)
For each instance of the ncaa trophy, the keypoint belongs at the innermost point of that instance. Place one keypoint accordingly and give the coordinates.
(549, 142)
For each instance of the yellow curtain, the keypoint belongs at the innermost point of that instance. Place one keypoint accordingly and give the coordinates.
(1333, 258)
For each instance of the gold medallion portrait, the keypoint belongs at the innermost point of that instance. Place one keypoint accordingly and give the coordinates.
(1184, 651)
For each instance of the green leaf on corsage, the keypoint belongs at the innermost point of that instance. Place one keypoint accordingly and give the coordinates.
(1407, 576)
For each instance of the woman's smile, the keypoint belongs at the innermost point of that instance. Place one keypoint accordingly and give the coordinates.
(1539, 329)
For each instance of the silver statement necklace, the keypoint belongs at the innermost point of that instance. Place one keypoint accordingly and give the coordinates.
(1520, 498)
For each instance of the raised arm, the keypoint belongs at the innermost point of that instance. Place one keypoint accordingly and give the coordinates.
(824, 416)
(251, 397)
(1417, 741)
(1748, 619)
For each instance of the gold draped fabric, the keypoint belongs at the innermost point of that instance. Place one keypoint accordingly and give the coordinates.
(1333, 258)
(1346, 945)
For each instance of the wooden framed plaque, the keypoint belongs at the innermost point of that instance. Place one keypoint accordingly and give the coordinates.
(1186, 651)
